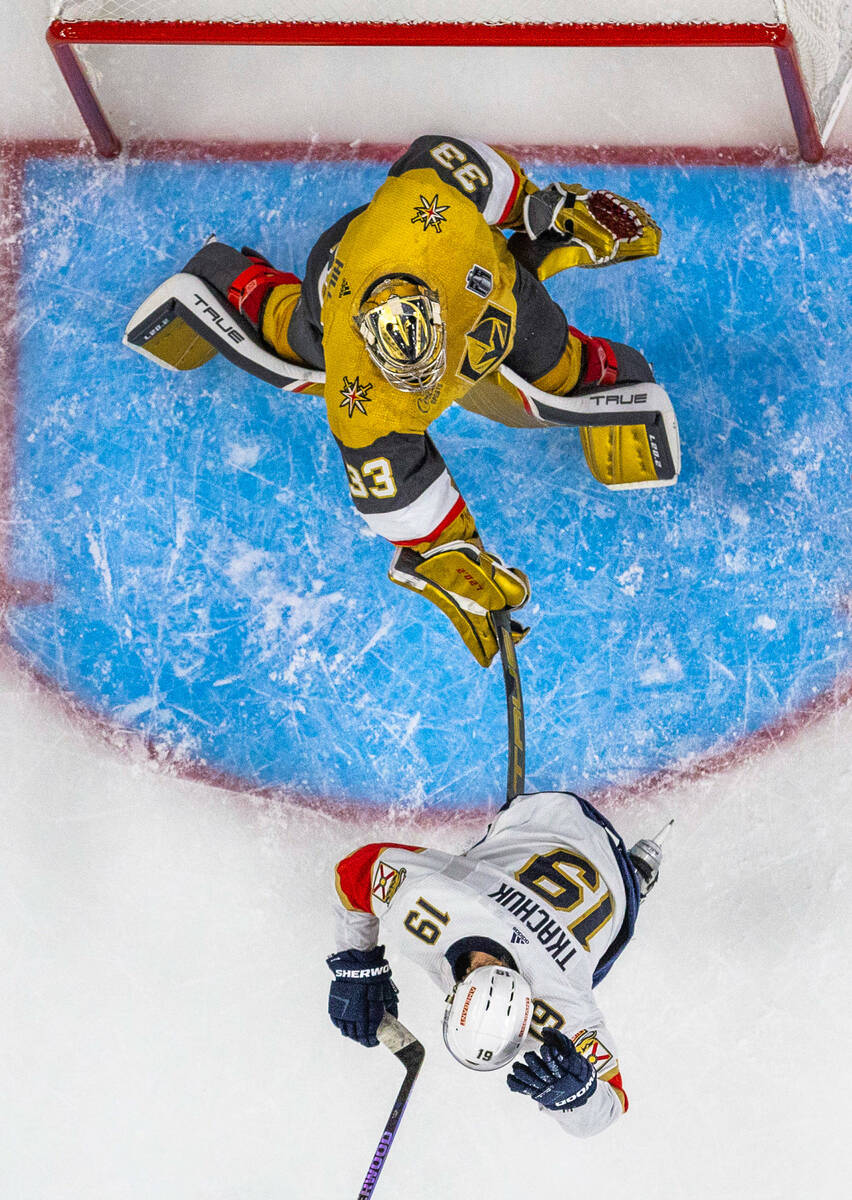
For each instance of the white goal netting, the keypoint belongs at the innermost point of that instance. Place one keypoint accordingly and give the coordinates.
(822, 28)
(823, 33)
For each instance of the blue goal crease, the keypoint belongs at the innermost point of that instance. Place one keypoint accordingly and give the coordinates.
(214, 589)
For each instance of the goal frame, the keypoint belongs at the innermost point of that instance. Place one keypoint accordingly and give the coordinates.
(63, 36)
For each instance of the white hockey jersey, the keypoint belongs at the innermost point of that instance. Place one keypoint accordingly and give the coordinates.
(544, 884)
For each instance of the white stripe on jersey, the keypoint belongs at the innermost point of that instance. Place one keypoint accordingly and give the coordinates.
(503, 180)
(417, 520)
(321, 281)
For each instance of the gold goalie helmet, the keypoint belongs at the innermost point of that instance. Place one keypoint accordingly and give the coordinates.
(400, 321)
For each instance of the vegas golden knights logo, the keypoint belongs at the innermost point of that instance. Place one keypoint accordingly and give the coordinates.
(487, 344)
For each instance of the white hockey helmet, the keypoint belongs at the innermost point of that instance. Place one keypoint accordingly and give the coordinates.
(487, 1017)
(401, 323)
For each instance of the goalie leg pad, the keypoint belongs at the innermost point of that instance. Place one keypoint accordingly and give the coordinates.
(619, 455)
(592, 362)
(190, 304)
(606, 363)
(220, 265)
(643, 409)
(179, 347)
(467, 584)
(242, 277)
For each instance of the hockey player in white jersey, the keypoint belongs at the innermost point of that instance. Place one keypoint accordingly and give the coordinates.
(518, 930)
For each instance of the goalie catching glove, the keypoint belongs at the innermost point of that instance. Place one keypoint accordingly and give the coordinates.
(468, 584)
(568, 226)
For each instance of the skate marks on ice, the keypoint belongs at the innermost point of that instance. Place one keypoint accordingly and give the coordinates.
(213, 589)
(166, 986)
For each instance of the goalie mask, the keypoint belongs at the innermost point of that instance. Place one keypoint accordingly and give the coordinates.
(401, 324)
(487, 1018)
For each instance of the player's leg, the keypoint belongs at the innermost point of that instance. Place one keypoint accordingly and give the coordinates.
(558, 358)
(182, 325)
(562, 361)
(286, 326)
(292, 319)
(283, 309)
(269, 299)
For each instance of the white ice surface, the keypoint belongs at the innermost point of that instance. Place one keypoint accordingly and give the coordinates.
(164, 994)
(163, 989)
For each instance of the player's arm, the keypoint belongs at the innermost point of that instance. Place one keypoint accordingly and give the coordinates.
(401, 487)
(363, 883)
(362, 989)
(567, 225)
(559, 226)
(491, 178)
(576, 1080)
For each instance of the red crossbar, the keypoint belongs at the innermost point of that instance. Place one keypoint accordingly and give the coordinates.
(63, 35)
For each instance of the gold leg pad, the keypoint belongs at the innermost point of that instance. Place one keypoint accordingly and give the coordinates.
(499, 400)
(618, 453)
(180, 347)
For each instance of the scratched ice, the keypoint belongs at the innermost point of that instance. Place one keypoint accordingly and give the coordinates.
(213, 587)
(163, 984)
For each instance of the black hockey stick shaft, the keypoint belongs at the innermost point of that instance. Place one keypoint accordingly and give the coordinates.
(405, 1046)
(514, 705)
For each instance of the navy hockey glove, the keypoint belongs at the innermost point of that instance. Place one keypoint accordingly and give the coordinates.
(361, 993)
(558, 1077)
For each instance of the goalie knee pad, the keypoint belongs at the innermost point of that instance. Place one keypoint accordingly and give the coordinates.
(593, 362)
(606, 363)
(600, 366)
(242, 277)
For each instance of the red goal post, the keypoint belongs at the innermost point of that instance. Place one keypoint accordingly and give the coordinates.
(63, 35)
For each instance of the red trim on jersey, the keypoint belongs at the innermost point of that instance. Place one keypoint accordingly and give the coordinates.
(355, 873)
(448, 520)
(504, 214)
(616, 1084)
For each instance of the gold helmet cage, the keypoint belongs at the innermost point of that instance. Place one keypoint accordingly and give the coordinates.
(401, 324)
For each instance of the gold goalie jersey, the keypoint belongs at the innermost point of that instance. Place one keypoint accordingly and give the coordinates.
(437, 218)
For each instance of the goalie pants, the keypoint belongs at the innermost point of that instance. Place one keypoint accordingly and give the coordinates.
(546, 351)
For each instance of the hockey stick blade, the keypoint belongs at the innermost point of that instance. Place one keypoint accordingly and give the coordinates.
(514, 705)
(405, 1046)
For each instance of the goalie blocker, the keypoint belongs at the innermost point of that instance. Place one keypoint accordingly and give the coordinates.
(469, 586)
(629, 433)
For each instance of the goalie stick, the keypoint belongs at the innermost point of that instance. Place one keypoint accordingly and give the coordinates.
(405, 1046)
(514, 705)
